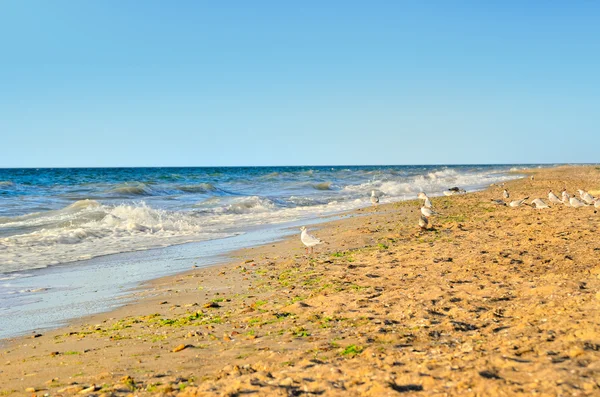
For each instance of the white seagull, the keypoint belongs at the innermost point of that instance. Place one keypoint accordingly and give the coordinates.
(427, 203)
(565, 197)
(428, 212)
(309, 240)
(585, 196)
(597, 203)
(374, 198)
(553, 198)
(517, 203)
(539, 204)
(505, 194)
(576, 203)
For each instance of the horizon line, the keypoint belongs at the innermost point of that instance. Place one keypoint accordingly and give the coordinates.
(295, 165)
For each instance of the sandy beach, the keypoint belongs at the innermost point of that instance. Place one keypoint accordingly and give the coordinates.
(491, 300)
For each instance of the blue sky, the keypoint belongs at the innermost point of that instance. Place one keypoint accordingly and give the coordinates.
(157, 83)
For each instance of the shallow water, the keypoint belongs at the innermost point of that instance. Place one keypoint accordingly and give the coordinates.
(38, 299)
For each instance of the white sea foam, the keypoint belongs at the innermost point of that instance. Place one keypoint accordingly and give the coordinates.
(434, 183)
(87, 229)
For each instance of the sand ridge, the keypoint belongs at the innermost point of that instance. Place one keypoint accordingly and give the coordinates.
(491, 301)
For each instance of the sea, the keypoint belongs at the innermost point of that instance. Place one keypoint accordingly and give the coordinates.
(74, 219)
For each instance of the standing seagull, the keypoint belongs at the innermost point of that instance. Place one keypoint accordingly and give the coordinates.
(517, 203)
(309, 240)
(539, 204)
(505, 194)
(424, 197)
(585, 196)
(374, 198)
(576, 203)
(427, 203)
(428, 212)
(553, 198)
(565, 197)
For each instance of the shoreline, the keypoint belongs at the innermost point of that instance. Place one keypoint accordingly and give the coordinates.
(202, 254)
(112, 292)
(271, 302)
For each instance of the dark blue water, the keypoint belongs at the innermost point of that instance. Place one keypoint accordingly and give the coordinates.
(53, 216)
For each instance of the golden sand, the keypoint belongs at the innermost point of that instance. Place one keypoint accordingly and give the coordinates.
(490, 301)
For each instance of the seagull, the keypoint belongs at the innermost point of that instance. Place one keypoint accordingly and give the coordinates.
(539, 204)
(585, 196)
(576, 203)
(565, 197)
(532, 178)
(505, 194)
(423, 222)
(423, 196)
(309, 240)
(428, 212)
(517, 203)
(553, 198)
(498, 202)
(374, 198)
(457, 190)
(427, 203)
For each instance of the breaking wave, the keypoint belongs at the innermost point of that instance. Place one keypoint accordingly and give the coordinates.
(87, 229)
(199, 188)
(138, 189)
(252, 204)
(322, 186)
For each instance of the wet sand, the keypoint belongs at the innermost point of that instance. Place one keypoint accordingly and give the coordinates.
(490, 301)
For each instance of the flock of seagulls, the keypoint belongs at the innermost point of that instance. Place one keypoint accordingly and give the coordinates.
(585, 200)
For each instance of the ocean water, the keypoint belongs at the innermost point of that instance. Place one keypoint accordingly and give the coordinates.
(56, 216)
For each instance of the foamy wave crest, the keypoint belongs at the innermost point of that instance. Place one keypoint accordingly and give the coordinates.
(434, 183)
(252, 204)
(6, 183)
(87, 229)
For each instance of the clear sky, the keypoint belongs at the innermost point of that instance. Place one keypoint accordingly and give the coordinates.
(159, 83)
